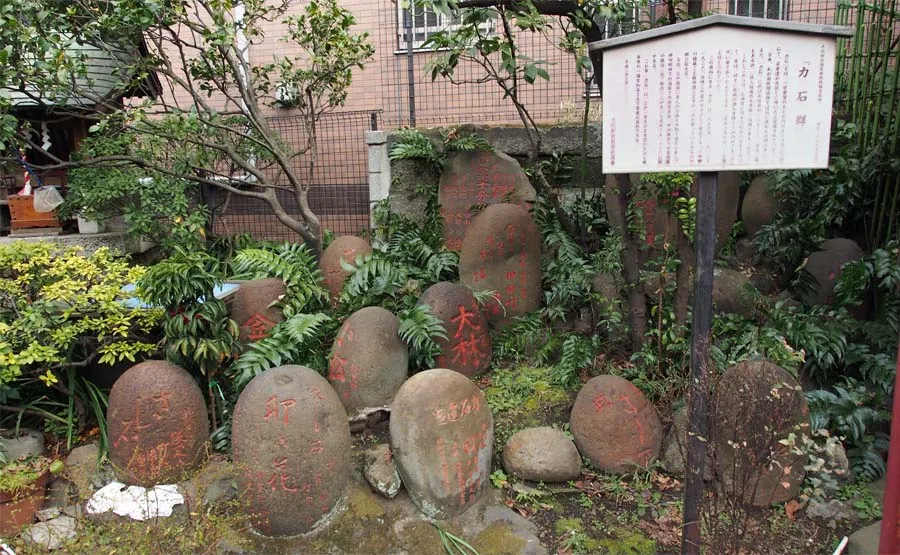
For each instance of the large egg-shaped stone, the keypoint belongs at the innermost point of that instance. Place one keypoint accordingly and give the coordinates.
(291, 443)
(442, 434)
(252, 307)
(467, 348)
(758, 405)
(343, 249)
(501, 252)
(369, 362)
(157, 424)
(614, 425)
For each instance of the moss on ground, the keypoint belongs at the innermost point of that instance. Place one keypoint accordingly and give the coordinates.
(498, 539)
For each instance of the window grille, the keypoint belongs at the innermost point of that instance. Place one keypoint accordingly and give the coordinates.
(425, 23)
(766, 9)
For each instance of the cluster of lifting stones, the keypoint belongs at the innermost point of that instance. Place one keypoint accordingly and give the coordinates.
(291, 428)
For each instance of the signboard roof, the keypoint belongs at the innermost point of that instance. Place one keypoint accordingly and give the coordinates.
(727, 20)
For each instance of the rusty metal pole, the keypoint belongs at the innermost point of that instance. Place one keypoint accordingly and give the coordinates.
(890, 522)
(698, 419)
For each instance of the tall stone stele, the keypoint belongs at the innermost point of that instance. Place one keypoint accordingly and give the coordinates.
(442, 433)
(369, 361)
(501, 252)
(475, 179)
(157, 424)
(291, 444)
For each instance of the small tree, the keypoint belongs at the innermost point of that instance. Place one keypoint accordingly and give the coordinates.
(207, 126)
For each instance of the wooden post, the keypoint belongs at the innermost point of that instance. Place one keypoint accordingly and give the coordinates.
(698, 426)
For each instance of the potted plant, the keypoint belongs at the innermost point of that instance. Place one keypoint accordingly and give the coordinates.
(23, 488)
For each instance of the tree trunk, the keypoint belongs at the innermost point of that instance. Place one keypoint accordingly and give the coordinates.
(631, 266)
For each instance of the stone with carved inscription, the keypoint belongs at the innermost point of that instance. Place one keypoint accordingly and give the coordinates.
(760, 207)
(368, 362)
(501, 252)
(291, 445)
(343, 249)
(542, 454)
(157, 424)
(614, 425)
(252, 307)
(758, 406)
(825, 266)
(442, 433)
(474, 179)
(467, 348)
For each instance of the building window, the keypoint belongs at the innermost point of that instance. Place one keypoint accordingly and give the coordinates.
(766, 9)
(424, 23)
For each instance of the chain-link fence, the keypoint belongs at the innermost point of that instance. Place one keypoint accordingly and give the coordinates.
(339, 194)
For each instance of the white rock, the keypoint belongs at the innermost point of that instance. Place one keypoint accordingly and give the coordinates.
(51, 534)
(135, 502)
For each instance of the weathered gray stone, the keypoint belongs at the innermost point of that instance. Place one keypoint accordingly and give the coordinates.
(157, 421)
(215, 483)
(865, 540)
(81, 466)
(733, 293)
(381, 472)
(760, 206)
(542, 454)
(501, 252)
(51, 535)
(442, 433)
(475, 179)
(60, 493)
(467, 348)
(22, 444)
(675, 446)
(407, 176)
(369, 362)
(48, 514)
(757, 405)
(343, 249)
(833, 510)
(252, 307)
(291, 443)
(825, 266)
(614, 425)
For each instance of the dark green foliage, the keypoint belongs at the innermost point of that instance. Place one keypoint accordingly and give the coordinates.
(294, 264)
(418, 329)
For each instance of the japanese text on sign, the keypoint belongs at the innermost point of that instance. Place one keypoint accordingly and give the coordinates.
(718, 99)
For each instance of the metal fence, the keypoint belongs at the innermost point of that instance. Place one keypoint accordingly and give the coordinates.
(339, 193)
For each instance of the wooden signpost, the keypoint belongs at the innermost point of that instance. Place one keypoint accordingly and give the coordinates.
(711, 94)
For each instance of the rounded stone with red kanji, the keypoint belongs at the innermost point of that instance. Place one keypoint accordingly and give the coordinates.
(614, 425)
(478, 178)
(291, 444)
(369, 362)
(758, 407)
(253, 310)
(157, 424)
(343, 249)
(501, 252)
(467, 348)
(442, 434)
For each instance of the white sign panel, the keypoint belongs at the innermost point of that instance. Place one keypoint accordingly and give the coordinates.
(718, 98)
